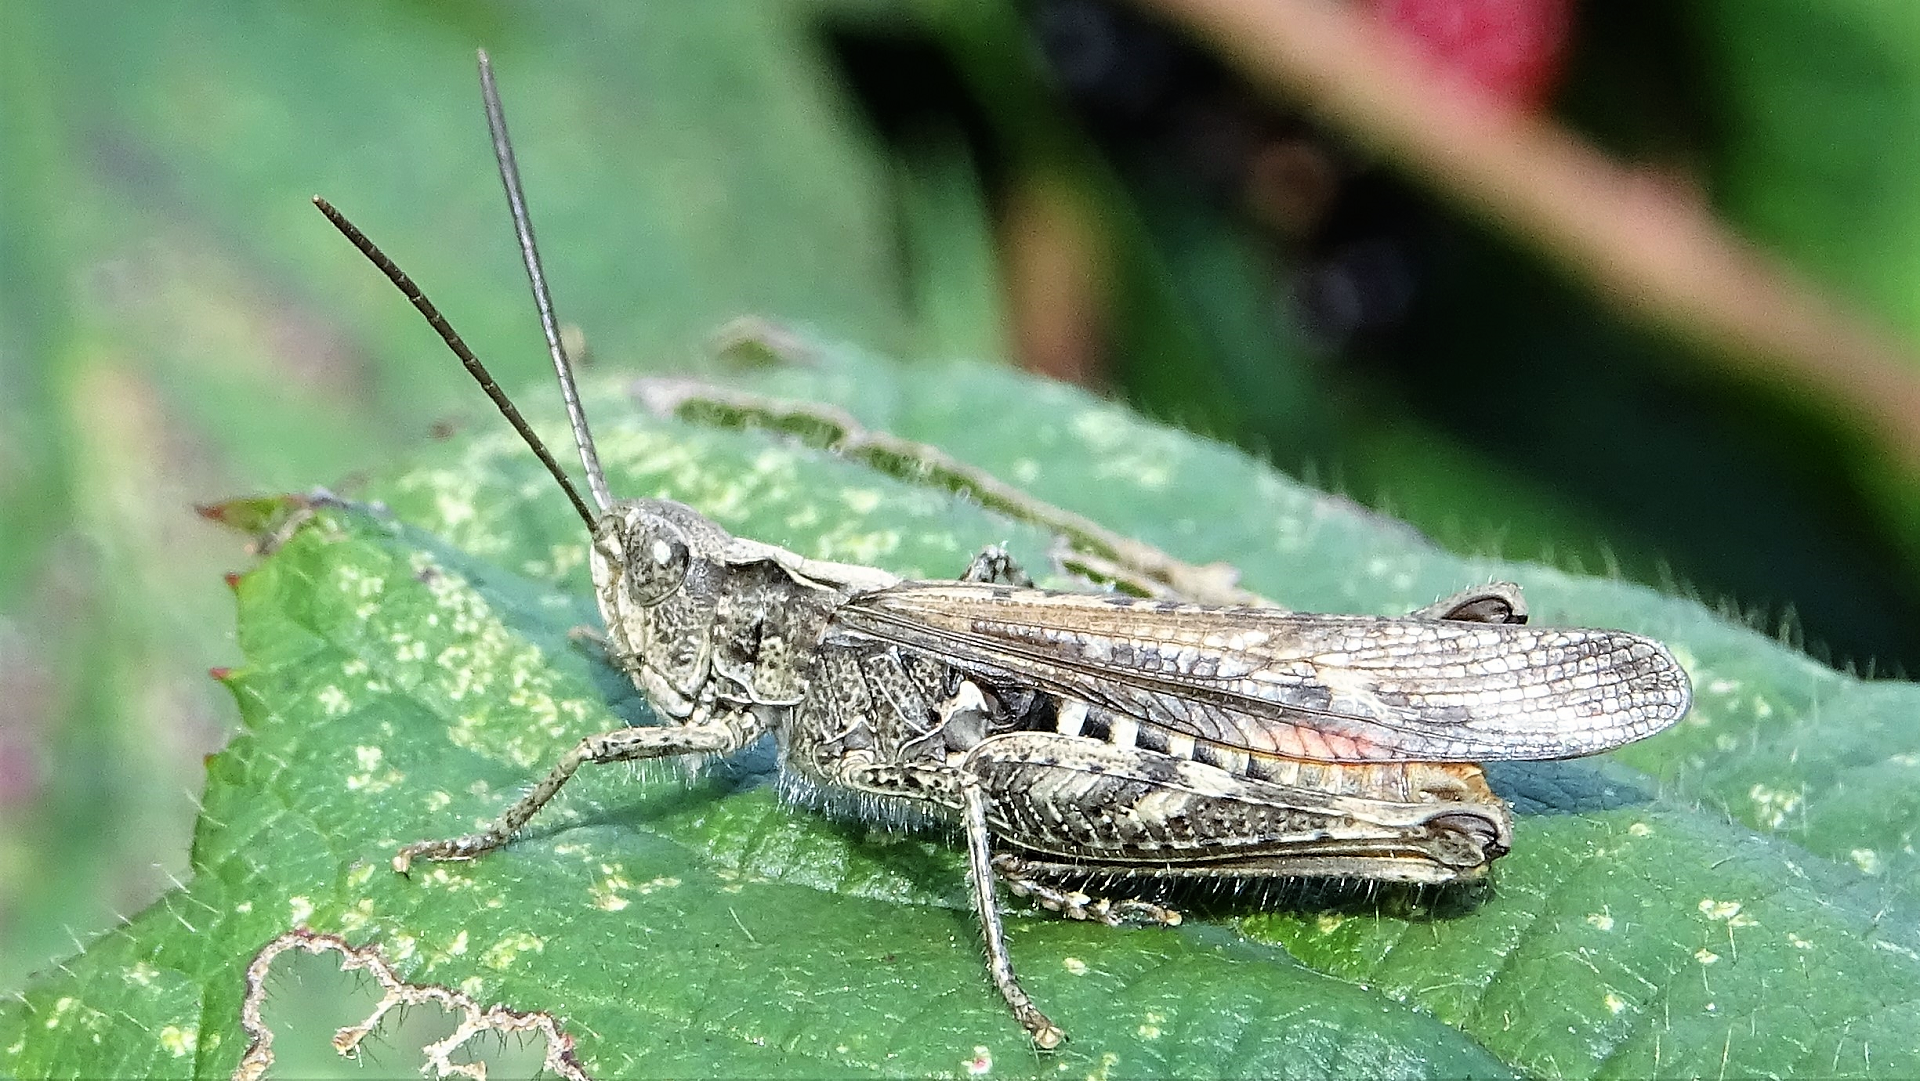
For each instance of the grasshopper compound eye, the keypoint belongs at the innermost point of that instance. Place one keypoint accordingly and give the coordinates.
(657, 561)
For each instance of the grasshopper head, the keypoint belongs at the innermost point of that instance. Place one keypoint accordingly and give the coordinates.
(658, 570)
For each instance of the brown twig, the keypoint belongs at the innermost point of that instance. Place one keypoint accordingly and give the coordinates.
(1654, 252)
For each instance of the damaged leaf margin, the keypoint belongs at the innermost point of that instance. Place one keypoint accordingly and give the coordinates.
(396, 993)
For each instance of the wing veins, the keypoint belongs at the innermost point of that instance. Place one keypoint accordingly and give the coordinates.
(1257, 708)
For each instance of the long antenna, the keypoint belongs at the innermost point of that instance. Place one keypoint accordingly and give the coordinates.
(542, 298)
(452, 337)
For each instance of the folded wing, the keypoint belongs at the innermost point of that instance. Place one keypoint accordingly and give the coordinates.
(1327, 688)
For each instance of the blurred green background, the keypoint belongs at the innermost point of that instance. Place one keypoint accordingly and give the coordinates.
(1080, 186)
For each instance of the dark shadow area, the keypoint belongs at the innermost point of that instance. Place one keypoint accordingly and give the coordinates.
(1582, 786)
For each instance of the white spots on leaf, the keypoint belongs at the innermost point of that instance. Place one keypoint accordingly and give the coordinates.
(846, 544)
(333, 701)
(439, 877)
(860, 500)
(1150, 1025)
(438, 800)
(607, 893)
(370, 777)
(473, 987)
(1024, 471)
(1328, 922)
(1797, 942)
(454, 509)
(299, 910)
(488, 665)
(1866, 859)
(178, 1041)
(1726, 910)
(142, 973)
(1600, 921)
(459, 944)
(355, 582)
(981, 1064)
(355, 666)
(1762, 708)
(1705, 956)
(1121, 451)
(1614, 1003)
(1103, 429)
(1723, 686)
(563, 558)
(401, 946)
(502, 953)
(359, 875)
(805, 517)
(359, 916)
(1640, 829)
(243, 907)
(1074, 965)
(1773, 806)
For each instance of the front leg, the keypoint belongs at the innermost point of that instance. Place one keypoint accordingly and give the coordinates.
(715, 736)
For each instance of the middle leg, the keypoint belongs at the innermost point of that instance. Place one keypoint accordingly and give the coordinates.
(1025, 879)
(994, 565)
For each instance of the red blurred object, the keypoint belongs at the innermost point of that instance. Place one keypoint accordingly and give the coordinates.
(1510, 49)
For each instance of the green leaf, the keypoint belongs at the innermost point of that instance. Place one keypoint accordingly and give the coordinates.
(1739, 904)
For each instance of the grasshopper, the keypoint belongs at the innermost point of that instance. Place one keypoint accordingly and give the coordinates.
(1071, 737)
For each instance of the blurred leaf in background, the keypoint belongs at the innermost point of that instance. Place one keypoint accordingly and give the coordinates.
(1091, 187)
(181, 325)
